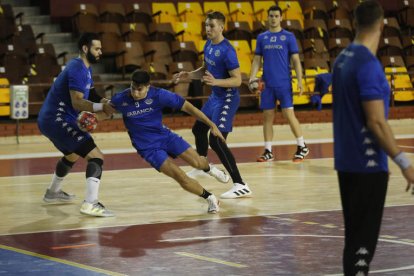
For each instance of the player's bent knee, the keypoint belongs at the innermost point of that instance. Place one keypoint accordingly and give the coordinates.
(94, 168)
(199, 128)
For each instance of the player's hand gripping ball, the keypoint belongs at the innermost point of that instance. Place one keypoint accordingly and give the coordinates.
(87, 121)
(256, 85)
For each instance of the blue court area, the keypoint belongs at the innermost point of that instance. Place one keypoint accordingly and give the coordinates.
(19, 263)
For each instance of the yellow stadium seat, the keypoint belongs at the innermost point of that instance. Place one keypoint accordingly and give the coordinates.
(298, 100)
(200, 45)
(260, 9)
(190, 11)
(241, 11)
(245, 63)
(4, 98)
(192, 31)
(291, 11)
(217, 6)
(242, 47)
(310, 83)
(400, 82)
(168, 12)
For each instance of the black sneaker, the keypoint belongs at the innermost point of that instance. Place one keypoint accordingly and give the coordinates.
(267, 156)
(300, 154)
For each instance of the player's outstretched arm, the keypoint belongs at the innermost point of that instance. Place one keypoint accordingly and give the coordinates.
(194, 111)
(80, 104)
(193, 75)
(377, 124)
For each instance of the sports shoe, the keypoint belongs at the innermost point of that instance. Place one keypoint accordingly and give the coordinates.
(95, 209)
(218, 174)
(59, 196)
(300, 154)
(238, 190)
(194, 173)
(267, 156)
(213, 204)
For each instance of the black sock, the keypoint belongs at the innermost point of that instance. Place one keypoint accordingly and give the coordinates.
(208, 169)
(205, 194)
(200, 131)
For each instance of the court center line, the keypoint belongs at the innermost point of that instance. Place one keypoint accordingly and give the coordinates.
(49, 258)
(208, 259)
(73, 246)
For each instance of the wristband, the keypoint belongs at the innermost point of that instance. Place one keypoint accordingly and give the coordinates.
(97, 107)
(402, 161)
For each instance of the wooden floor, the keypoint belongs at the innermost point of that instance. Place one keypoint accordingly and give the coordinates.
(286, 228)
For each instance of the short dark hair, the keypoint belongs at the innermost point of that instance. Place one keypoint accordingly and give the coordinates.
(140, 77)
(367, 13)
(216, 15)
(86, 39)
(274, 8)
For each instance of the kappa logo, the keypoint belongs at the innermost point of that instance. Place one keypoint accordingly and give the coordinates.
(74, 133)
(229, 95)
(61, 109)
(64, 124)
(223, 119)
(266, 37)
(58, 114)
(226, 107)
(80, 138)
(273, 39)
(367, 141)
(61, 103)
(371, 164)
(370, 152)
(228, 100)
(362, 251)
(217, 53)
(149, 101)
(361, 262)
(58, 119)
(224, 112)
(69, 129)
(364, 129)
(221, 126)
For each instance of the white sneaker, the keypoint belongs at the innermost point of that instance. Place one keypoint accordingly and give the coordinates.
(218, 174)
(194, 173)
(59, 196)
(238, 190)
(213, 204)
(95, 209)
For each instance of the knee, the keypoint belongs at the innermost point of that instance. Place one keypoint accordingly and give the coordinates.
(199, 128)
(200, 163)
(94, 168)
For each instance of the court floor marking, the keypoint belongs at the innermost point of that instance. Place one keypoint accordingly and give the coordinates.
(293, 235)
(132, 150)
(190, 220)
(208, 259)
(49, 258)
(75, 246)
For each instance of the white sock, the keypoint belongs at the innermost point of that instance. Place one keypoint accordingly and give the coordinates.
(300, 141)
(56, 183)
(268, 146)
(92, 189)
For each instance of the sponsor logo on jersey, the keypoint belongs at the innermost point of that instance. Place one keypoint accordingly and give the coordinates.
(283, 37)
(139, 112)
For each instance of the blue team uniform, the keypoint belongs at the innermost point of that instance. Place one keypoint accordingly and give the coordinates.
(223, 103)
(143, 120)
(357, 76)
(57, 117)
(276, 49)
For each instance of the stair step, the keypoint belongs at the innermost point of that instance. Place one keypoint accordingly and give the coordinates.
(16, 3)
(28, 11)
(36, 19)
(58, 38)
(70, 47)
(50, 28)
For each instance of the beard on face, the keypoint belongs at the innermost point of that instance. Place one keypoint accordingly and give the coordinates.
(91, 58)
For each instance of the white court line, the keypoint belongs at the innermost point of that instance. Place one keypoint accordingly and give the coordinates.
(132, 150)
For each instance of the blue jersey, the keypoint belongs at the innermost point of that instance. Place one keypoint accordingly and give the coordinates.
(219, 59)
(143, 118)
(276, 49)
(357, 76)
(76, 76)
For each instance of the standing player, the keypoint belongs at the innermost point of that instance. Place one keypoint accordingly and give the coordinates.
(220, 71)
(71, 93)
(278, 47)
(363, 139)
(141, 107)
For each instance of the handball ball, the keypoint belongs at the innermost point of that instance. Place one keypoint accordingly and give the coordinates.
(87, 121)
(256, 85)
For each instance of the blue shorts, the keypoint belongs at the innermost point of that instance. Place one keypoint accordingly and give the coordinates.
(270, 95)
(221, 110)
(64, 133)
(172, 145)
